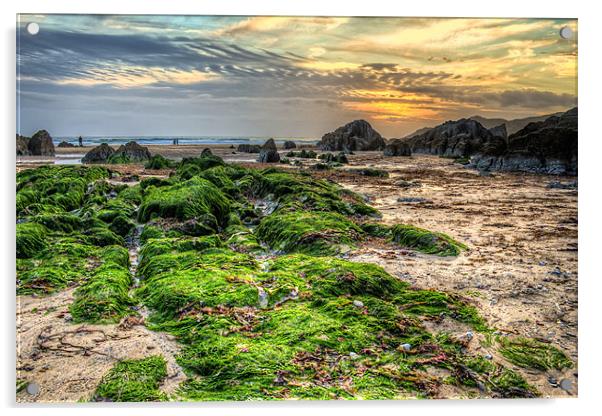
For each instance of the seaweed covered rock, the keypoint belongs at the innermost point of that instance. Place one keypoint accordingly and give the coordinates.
(104, 297)
(99, 154)
(397, 147)
(269, 153)
(317, 233)
(428, 242)
(248, 148)
(31, 239)
(133, 381)
(357, 135)
(159, 162)
(130, 152)
(196, 198)
(303, 154)
(332, 158)
(191, 166)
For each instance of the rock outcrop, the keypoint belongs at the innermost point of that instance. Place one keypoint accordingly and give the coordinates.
(130, 152)
(40, 144)
(248, 148)
(397, 147)
(65, 144)
(269, 153)
(357, 135)
(289, 144)
(22, 145)
(459, 138)
(548, 146)
(99, 154)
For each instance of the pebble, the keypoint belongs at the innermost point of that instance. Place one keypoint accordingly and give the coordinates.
(566, 384)
(353, 355)
(358, 303)
(406, 347)
(542, 263)
(488, 357)
(469, 335)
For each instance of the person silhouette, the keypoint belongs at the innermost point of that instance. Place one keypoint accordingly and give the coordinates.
(81, 141)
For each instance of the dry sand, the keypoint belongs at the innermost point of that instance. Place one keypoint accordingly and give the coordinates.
(520, 269)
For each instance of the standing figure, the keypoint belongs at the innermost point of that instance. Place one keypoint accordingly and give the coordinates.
(81, 141)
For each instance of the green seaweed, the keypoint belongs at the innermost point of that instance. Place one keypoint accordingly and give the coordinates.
(31, 239)
(426, 241)
(318, 233)
(104, 298)
(196, 198)
(159, 162)
(134, 381)
(530, 353)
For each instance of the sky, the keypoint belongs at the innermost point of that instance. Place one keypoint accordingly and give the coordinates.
(265, 76)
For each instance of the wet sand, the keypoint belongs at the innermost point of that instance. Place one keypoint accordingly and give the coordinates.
(520, 269)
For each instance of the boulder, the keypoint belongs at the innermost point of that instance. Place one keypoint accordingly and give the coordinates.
(499, 131)
(22, 145)
(460, 138)
(397, 147)
(269, 153)
(289, 144)
(130, 152)
(99, 154)
(65, 144)
(41, 144)
(548, 146)
(249, 148)
(357, 135)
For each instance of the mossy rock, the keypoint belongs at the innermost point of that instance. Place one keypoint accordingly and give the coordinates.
(318, 233)
(426, 241)
(194, 198)
(159, 162)
(31, 239)
(134, 381)
(104, 298)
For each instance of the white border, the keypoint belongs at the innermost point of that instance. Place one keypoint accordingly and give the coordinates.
(590, 111)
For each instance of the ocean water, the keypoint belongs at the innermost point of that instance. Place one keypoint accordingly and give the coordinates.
(183, 140)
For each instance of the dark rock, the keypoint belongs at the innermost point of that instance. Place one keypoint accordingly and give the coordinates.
(357, 135)
(249, 148)
(206, 152)
(397, 147)
(332, 158)
(100, 154)
(41, 144)
(65, 144)
(22, 146)
(561, 185)
(402, 183)
(130, 152)
(413, 200)
(269, 153)
(459, 138)
(548, 146)
(289, 144)
(499, 131)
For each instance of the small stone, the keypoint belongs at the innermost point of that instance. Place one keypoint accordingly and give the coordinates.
(565, 384)
(353, 355)
(542, 263)
(358, 303)
(33, 388)
(488, 357)
(469, 335)
(406, 347)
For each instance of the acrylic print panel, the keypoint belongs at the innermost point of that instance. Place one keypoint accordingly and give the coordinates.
(274, 208)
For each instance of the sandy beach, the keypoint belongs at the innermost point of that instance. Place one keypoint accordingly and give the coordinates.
(520, 269)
